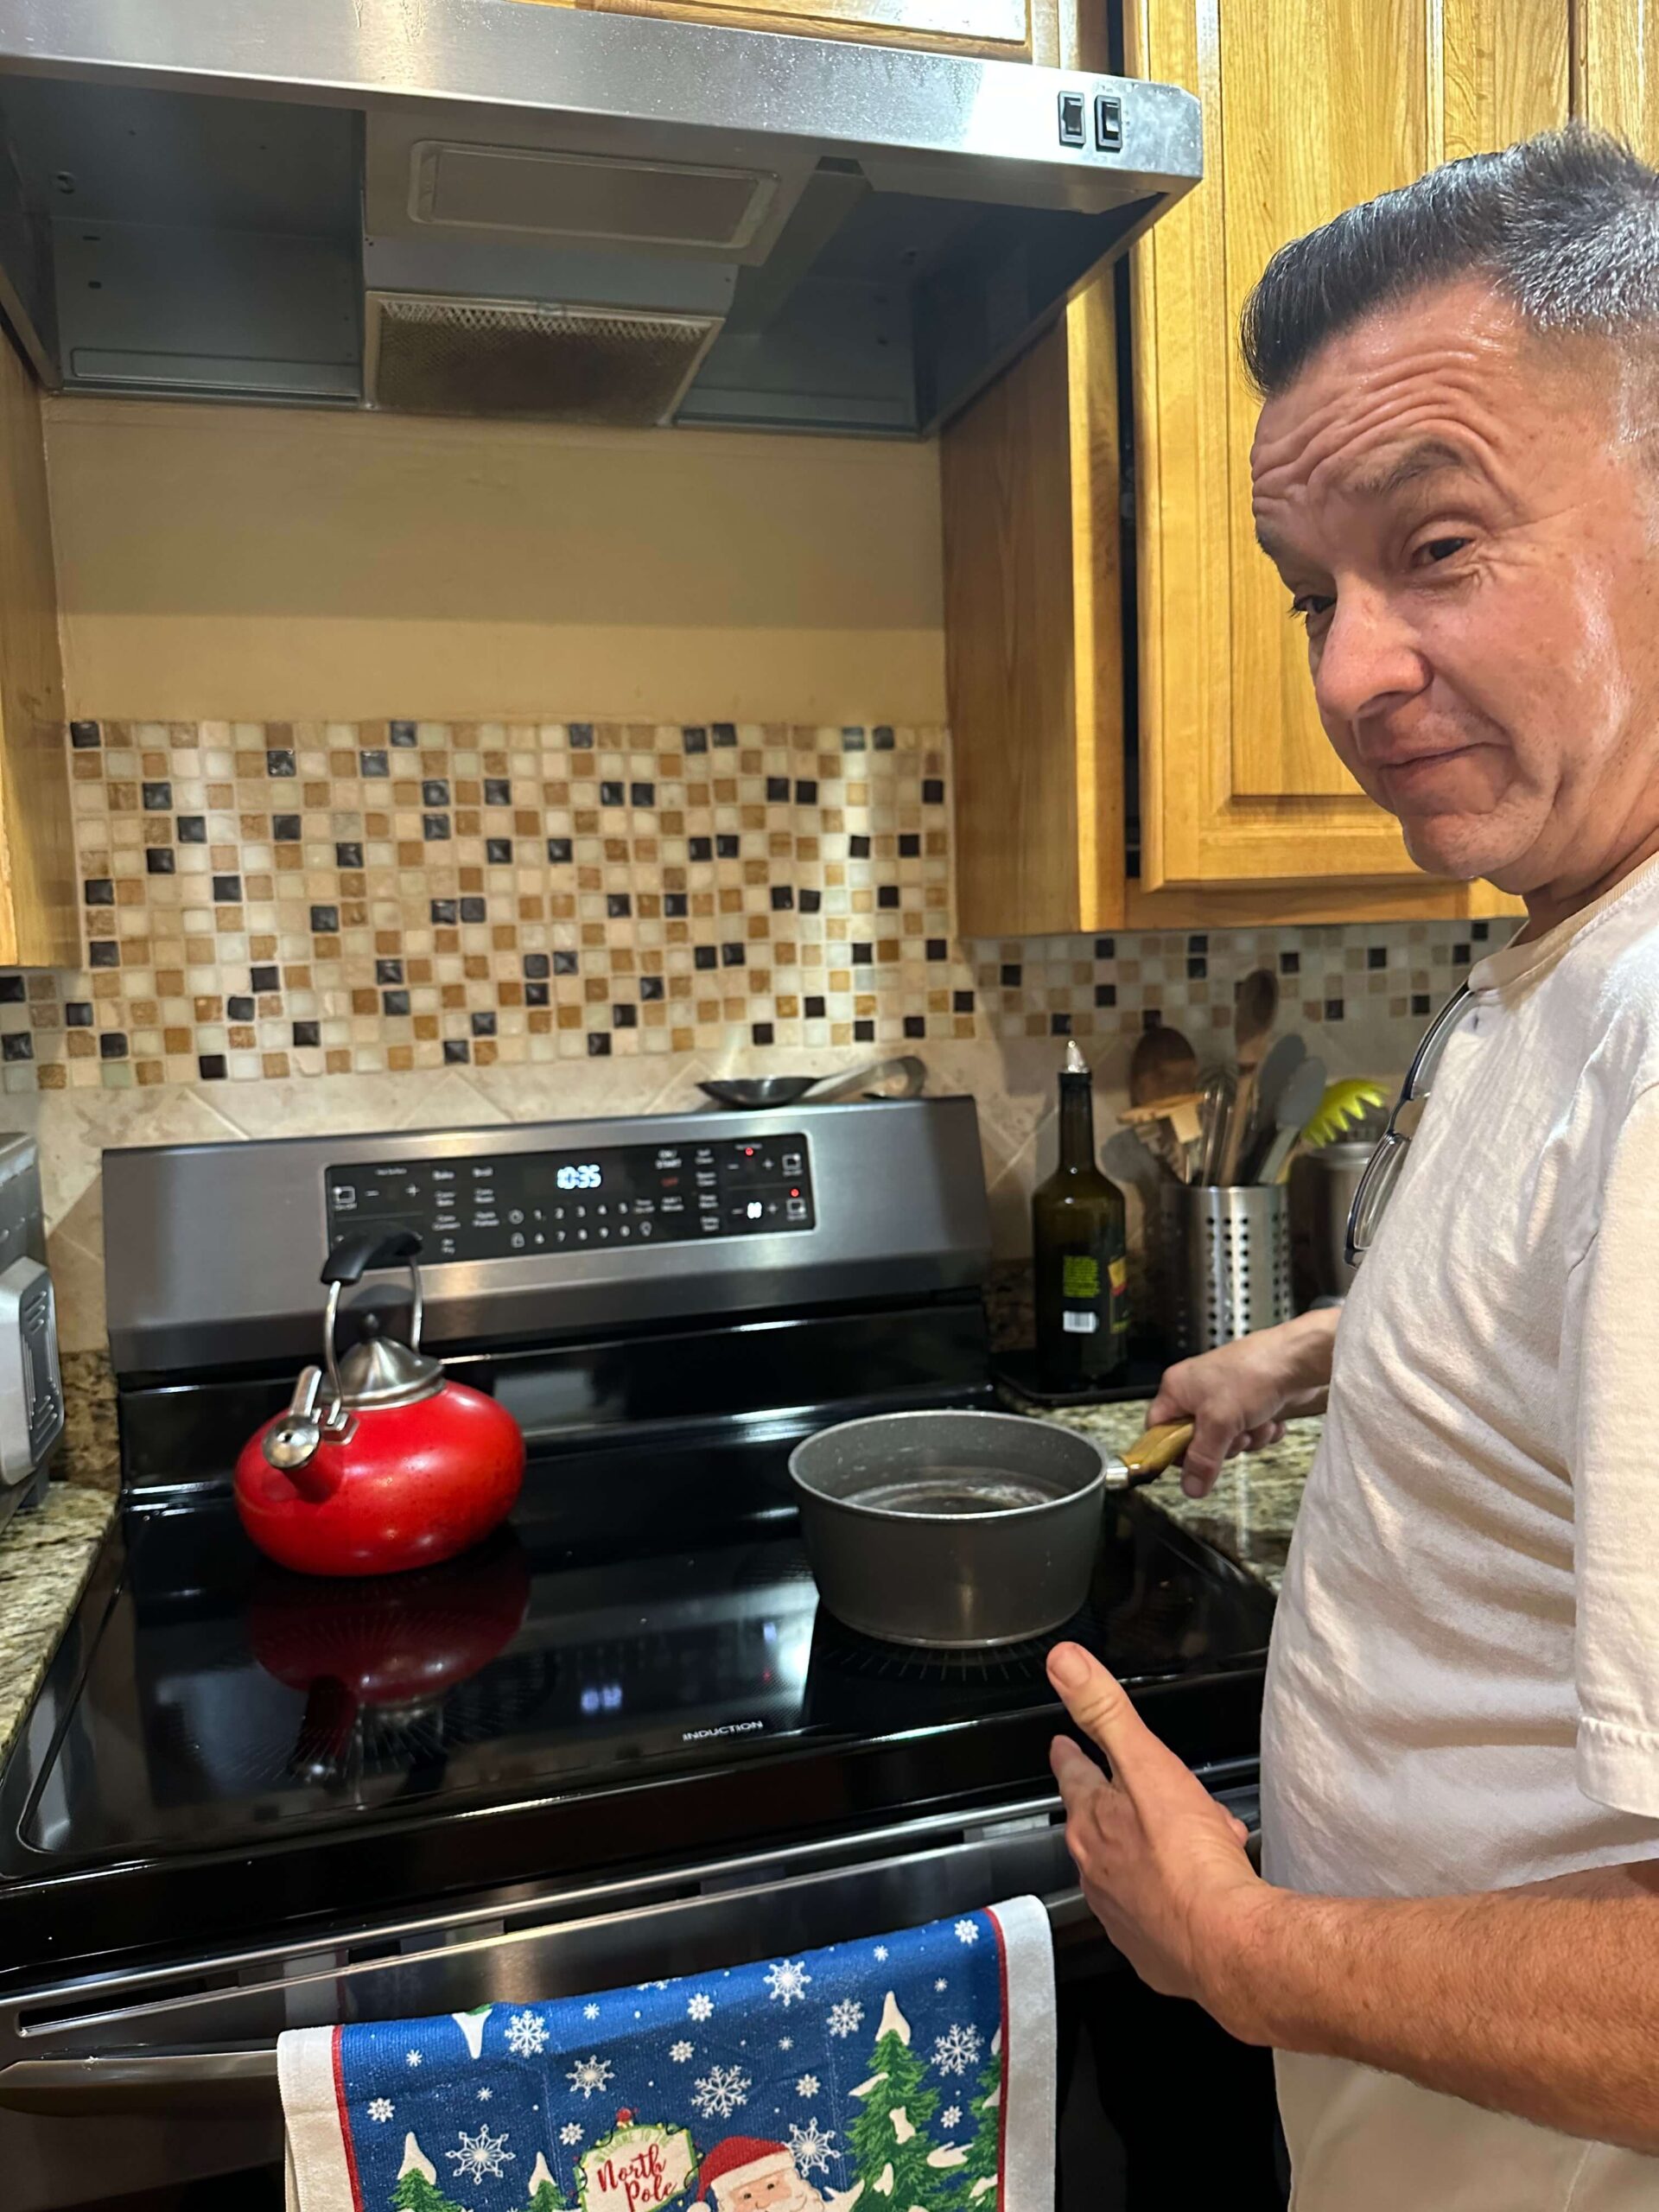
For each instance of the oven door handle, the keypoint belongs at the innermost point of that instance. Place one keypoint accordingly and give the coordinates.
(138, 2080)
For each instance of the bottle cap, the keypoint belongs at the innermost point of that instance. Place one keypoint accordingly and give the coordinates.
(1075, 1063)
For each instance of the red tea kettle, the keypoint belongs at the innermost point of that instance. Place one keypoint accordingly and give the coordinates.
(389, 1465)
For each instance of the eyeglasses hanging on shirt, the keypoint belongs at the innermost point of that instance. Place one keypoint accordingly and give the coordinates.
(1381, 1172)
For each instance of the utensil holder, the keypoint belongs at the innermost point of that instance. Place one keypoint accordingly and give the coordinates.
(1222, 1263)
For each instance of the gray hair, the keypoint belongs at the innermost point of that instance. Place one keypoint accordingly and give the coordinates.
(1565, 227)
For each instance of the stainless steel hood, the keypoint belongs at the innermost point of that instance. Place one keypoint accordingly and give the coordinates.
(493, 207)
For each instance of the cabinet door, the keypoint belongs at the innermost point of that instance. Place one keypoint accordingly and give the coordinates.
(1616, 70)
(1012, 30)
(1308, 107)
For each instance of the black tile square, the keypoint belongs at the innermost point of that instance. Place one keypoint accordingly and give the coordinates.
(704, 955)
(238, 1008)
(727, 848)
(388, 972)
(760, 1032)
(498, 791)
(401, 734)
(1333, 1009)
(349, 854)
(564, 963)
(1105, 948)
(306, 1032)
(864, 1032)
(783, 897)
(483, 1024)
(1151, 1018)
(581, 736)
(1198, 942)
(98, 890)
(265, 979)
(915, 1025)
(498, 850)
(1197, 968)
(886, 895)
(910, 846)
(558, 850)
(618, 905)
(158, 798)
(674, 906)
(858, 848)
(435, 791)
(933, 791)
(962, 1001)
(695, 738)
(285, 828)
(1420, 1005)
(776, 789)
(610, 794)
(457, 1048)
(443, 910)
(473, 909)
(210, 1066)
(852, 740)
(19, 1046)
(227, 892)
(158, 861)
(625, 1017)
(700, 849)
(102, 952)
(77, 1014)
(1376, 956)
(811, 901)
(536, 968)
(84, 735)
(1105, 994)
(1481, 931)
(812, 1009)
(373, 761)
(881, 737)
(112, 1046)
(937, 949)
(1290, 963)
(806, 790)
(650, 987)
(733, 956)
(1060, 1025)
(863, 955)
(13, 990)
(723, 733)
(394, 1002)
(325, 921)
(642, 794)
(536, 994)
(191, 829)
(279, 761)
(1461, 956)
(1010, 975)
(599, 1044)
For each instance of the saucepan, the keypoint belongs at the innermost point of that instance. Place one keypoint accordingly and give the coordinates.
(946, 1529)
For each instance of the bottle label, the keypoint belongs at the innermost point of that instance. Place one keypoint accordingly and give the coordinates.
(1076, 1323)
(1080, 1275)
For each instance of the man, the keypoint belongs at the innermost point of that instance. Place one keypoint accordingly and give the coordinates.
(1455, 1951)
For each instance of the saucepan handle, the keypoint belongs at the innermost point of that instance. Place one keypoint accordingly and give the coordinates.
(1160, 1448)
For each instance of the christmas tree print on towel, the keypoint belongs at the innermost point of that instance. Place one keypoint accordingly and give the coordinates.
(898, 2160)
(985, 2151)
(418, 2187)
(545, 2195)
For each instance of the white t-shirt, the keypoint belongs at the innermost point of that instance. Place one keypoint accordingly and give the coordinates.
(1464, 1688)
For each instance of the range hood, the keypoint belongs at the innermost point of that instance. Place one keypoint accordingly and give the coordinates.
(493, 207)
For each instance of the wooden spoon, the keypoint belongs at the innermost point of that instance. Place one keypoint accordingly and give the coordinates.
(1163, 1065)
(1256, 1005)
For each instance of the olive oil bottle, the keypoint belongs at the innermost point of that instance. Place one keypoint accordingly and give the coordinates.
(1079, 1250)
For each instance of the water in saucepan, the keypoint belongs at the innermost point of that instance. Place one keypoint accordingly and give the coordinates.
(955, 1490)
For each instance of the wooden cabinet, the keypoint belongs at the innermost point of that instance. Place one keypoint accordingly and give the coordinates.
(39, 907)
(1244, 812)
(1012, 30)
(1616, 69)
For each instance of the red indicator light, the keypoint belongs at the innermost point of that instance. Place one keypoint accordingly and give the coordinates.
(795, 1194)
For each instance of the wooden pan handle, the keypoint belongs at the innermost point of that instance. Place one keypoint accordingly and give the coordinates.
(1159, 1448)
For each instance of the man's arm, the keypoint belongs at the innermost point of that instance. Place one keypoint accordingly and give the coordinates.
(1543, 2002)
(1240, 1396)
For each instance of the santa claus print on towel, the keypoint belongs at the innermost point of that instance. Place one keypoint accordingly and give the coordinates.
(905, 2073)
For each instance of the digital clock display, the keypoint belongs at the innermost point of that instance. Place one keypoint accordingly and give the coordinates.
(579, 1175)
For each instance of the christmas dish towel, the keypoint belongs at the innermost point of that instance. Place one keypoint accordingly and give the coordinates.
(904, 2073)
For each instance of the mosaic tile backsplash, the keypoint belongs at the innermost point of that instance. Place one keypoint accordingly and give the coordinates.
(350, 926)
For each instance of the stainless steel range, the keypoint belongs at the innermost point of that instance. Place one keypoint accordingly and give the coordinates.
(618, 1739)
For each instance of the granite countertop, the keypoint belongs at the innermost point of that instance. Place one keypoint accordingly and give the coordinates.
(47, 1552)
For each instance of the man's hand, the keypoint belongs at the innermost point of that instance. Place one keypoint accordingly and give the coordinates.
(1162, 1864)
(1240, 1397)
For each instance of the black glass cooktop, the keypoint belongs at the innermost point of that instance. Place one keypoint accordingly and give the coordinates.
(646, 1619)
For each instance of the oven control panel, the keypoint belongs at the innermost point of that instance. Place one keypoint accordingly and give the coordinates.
(510, 1206)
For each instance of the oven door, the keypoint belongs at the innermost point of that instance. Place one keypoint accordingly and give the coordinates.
(177, 2064)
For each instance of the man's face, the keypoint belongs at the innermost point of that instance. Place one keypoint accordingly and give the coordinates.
(773, 2192)
(1471, 541)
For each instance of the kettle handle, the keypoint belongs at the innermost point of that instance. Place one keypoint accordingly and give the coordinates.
(349, 1261)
